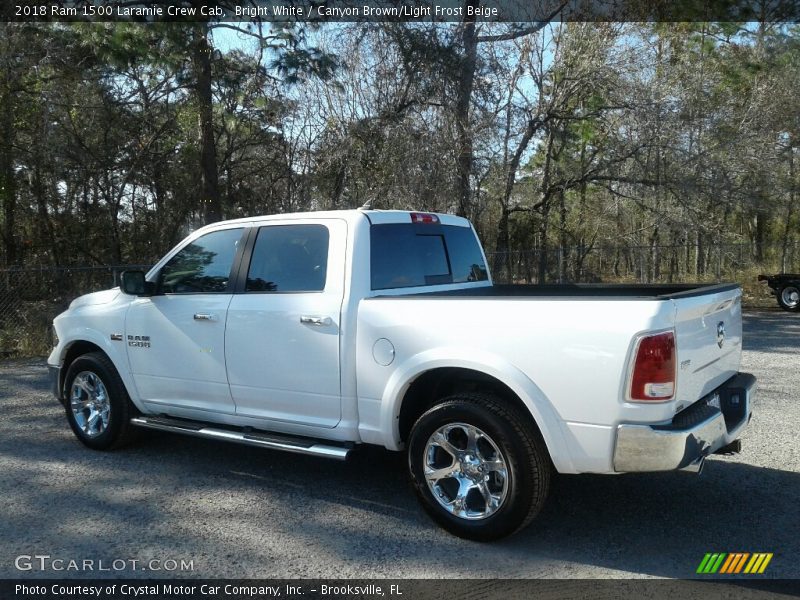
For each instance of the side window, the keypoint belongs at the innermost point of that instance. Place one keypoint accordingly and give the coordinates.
(204, 266)
(289, 258)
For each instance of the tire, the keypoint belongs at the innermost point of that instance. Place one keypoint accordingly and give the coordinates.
(789, 297)
(98, 407)
(476, 501)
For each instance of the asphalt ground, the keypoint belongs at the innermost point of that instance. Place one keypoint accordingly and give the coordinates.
(241, 512)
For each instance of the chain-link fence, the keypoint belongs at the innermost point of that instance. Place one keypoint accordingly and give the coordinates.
(644, 264)
(30, 298)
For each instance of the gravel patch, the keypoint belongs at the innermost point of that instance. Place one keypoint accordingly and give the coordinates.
(242, 512)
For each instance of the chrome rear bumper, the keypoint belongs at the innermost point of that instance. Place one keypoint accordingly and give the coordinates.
(706, 426)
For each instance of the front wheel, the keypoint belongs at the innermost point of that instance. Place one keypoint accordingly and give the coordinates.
(478, 466)
(98, 407)
(789, 297)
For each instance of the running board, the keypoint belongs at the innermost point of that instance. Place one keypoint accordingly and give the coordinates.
(249, 437)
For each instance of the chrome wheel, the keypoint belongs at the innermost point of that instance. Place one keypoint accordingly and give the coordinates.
(465, 471)
(790, 297)
(90, 403)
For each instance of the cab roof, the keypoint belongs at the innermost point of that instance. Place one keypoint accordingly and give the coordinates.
(375, 217)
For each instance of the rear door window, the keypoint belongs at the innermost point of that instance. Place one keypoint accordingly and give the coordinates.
(289, 258)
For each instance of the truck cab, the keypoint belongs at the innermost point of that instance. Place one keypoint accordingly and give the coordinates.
(317, 332)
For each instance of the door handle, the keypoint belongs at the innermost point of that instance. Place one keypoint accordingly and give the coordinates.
(204, 317)
(321, 321)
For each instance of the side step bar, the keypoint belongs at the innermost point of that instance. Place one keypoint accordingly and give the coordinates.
(273, 441)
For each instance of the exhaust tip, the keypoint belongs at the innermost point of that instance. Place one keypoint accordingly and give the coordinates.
(735, 447)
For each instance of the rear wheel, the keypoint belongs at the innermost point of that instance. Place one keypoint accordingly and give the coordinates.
(789, 297)
(478, 466)
(98, 407)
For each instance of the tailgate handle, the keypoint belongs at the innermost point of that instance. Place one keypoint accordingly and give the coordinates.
(320, 321)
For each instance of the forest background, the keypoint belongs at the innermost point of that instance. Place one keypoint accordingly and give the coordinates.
(582, 152)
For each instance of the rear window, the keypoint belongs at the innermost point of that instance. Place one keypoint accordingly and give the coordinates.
(409, 255)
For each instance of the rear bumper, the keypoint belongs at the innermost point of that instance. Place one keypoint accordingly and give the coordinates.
(709, 424)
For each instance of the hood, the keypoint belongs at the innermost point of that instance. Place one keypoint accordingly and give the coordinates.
(95, 298)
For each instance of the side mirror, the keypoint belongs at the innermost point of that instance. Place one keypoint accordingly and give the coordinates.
(134, 283)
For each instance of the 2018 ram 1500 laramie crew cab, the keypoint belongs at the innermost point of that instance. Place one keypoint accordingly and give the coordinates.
(316, 332)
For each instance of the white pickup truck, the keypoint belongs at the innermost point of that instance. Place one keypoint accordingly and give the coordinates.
(317, 332)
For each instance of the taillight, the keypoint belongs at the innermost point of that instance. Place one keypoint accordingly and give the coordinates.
(653, 377)
(424, 218)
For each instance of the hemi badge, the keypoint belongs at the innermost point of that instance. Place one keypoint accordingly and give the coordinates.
(116, 337)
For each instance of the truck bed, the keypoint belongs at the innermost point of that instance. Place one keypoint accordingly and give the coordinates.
(582, 291)
(577, 361)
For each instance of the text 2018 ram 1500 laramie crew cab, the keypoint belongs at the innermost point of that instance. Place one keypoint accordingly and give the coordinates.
(317, 332)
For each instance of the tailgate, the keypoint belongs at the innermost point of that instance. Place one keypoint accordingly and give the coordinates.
(708, 328)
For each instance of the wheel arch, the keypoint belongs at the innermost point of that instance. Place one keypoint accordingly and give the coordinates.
(78, 347)
(414, 389)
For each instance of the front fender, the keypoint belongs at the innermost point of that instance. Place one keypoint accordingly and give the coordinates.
(481, 361)
(115, 350)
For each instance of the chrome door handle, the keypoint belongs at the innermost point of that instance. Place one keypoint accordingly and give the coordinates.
(322, 321)
(204, 317)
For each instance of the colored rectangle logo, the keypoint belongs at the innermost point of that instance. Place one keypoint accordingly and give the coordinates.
(733, 563)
